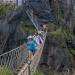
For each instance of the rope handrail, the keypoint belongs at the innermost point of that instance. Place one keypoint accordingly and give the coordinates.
(31, 16)
(16, 57)
(11, 50)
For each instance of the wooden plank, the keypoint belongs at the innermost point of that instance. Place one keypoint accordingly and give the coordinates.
(24, 70)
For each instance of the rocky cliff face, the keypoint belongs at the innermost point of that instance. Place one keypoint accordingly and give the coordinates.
(56, 55)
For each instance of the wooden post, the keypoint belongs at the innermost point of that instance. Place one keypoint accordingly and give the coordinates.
(29, 62)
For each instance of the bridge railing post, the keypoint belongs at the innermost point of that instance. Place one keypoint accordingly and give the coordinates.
(29, 72)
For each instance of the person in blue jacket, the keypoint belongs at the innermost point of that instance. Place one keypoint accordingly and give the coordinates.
(31, 46)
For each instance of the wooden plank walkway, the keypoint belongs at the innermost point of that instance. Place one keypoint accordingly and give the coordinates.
(30, 67)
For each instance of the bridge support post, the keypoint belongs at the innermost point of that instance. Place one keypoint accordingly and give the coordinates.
(29, 72)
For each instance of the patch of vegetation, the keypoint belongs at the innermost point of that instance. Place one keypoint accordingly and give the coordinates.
(67, 33)
(72, 51)
(4, 7)
(5, 71)
(37, 72)
(27, 27)
(65, 29)
(57, 32)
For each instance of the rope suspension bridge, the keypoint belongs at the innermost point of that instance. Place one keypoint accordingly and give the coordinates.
(17, 59)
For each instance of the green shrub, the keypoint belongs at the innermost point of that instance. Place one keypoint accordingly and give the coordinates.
(27, 27)
(72, 51)
(57, 32)
(5, 71)
(68, 34)
(4, 7)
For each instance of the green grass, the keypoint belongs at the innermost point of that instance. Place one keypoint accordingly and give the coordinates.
(37, 72)
(5, 71)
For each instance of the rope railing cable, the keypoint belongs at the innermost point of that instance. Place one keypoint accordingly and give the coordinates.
(31, 18)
